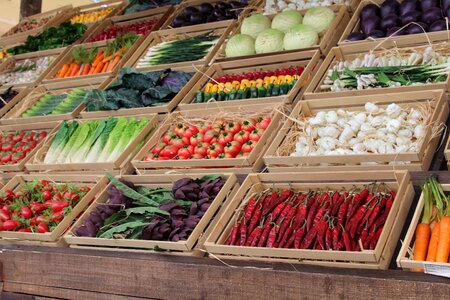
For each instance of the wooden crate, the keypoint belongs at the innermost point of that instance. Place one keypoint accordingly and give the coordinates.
(354, 26)
(50, 77)
(439, 114)
(121, 164)
(222, 28)
(20, 167)
(23, 91)
(243, 165)
(405, 257)
(169, 107)
(160, 13)
(95, 182)
(327, 41)
(350, 52)
(399, 181)
(31, 98)
(58, 16)
(230, 187)
(9, 64)
(252, 4)
(118, 5)
(308, 59)
(351, 5)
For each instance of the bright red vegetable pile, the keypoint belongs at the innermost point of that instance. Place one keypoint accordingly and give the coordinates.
(15, 146)
(142, 28)
(335, 220)
(38, 206)
(210, 140)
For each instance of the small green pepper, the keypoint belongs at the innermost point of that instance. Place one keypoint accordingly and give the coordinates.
(199, 97)
(222, 96)
(253, 92)
(276, 90)
(269, 90)
(262, 92)
(284, 88)
(246, 94)
(214, 95)
(232, 95)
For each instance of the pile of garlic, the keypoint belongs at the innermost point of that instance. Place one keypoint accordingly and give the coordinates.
(273, 6)
(375, 130)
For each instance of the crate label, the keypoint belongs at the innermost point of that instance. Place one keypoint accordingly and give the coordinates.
(438, 270)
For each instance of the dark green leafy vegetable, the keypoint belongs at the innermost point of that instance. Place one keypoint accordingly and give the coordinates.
(135, 89)
(51, 38)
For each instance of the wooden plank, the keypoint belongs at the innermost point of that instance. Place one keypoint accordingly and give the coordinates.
(50, 292)
(203, 278)
(14, 296)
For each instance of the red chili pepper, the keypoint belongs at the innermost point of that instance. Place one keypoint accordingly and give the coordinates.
(300, 215)
(318, 247)
(354, 222)
(335, 208)
(325, 200)
(299, 234)
(320, 213)
(243, 231)
(347, 242)
(364, 234)
(287, 235)
(366, 242)
(272, 236)
(284, 212)
(382, 219)
(357, 201)
(300, 198)
(254, 237)
(234, 234)
(370, 208)
(311, 199)
(328, 239)
(374, 241)
(289, 218)
(392, 194)
(335, 234)
(311, 214)
(322, 227)
(309, 238)
(354, 245)
(265, 235)
(374, 215)
(255, 219)
(251, 205)
(277, 211)
(276, 201)
(270, 203)
(343, 212)
(334, 198)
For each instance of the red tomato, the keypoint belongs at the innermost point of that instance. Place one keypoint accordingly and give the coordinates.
(190, 131)
(248, 125)
(225, 155)
(242, 136)
(256, 134)
(26, 212)
(169, 152)
(10, 225)
(214, 150)
(179, 129)
(224, 138)
(204, 128)
(186, 151)
(4, 215)
(59, 206)
(178, 142)
(233, 127)
(201, 149)
(157, 149)
(219, 125)
(248, 146)
(151, 156)
(233, 148)
(195, 139)
(168, 137)
(42, 228)
(196, 156)
(263, 123)
(242, 154)
(210, 135)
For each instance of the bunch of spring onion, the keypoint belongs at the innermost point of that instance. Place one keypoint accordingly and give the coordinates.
(375, 129)
(187, 49)
(388, 69)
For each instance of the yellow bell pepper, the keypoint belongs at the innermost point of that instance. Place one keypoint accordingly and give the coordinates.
(252, 83)
(208, 87)
(236, 84)
(287, 79)
(273, 79)
(214, 88)
(259, 83)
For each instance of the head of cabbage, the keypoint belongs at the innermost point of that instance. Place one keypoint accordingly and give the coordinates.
(286, 20)
(255, 24)
(239, 45)
(319, 18)
(270, 40)
(300, 36)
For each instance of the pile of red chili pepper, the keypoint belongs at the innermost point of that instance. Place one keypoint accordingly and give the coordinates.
(322, 220)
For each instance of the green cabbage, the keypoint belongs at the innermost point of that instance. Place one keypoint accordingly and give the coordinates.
(239, 45)
(300, 36)
(255, 24)
(270, 40)
(319, 18)
(286, 20)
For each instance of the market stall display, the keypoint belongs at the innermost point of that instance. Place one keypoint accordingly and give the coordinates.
(166, 212)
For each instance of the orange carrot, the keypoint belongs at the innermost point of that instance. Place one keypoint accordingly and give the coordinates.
(106, 59)
(98, 59)
(63, 71)
(69, 71)
(86, 70)
(75, 70)
(443, 247)
(432, 246)
(105, 66)
(98, 68)
(114, 63)
(81, 70)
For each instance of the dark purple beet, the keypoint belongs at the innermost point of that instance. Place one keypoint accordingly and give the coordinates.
(369, 11)
(218, 13)
(438, 26)
(197, 18)
(432, 15)
(389, 22)
(376, 34)
(389, 7)
(408, 6)
(370, 24)
(393, 31)
(426, 4)
(206, 8)
(412, 16)
(188, 11)
(415, 29)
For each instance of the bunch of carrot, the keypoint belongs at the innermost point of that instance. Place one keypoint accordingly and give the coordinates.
(93, 61)
(433, 233)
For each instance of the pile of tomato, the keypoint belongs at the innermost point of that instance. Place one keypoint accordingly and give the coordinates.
(15, 146)
(210, 140)
(38, 206)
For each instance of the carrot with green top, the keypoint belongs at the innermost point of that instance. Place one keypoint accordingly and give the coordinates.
(443, 206)
(113, 63)
(63, 71)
